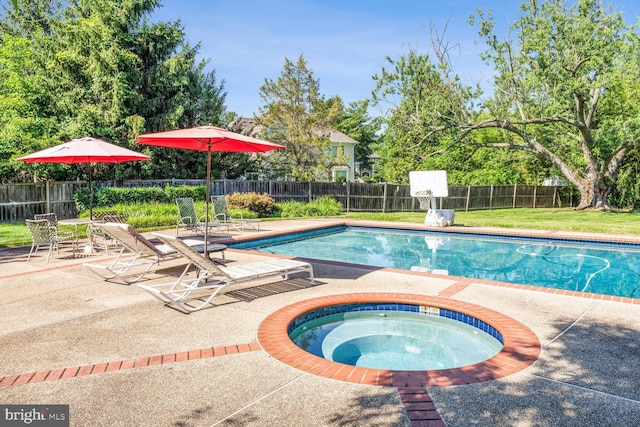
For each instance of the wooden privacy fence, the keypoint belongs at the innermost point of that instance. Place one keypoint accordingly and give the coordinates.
(21, 201)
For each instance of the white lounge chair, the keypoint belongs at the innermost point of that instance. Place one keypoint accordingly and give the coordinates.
(213, 278)
(138, 254)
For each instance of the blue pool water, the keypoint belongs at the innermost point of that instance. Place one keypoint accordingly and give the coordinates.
(395, 340)
(609, 269)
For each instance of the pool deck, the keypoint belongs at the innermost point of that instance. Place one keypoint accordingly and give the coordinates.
(119, 357)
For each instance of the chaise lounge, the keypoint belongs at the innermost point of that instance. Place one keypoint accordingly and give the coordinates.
(138, 254)
(213, 278)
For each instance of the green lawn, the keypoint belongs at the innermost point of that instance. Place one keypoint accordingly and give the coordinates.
(16, 234)
(541, 219)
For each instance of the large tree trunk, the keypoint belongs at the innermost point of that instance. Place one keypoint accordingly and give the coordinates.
(594, 195)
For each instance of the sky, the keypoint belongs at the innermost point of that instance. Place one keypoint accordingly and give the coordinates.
(345, 42)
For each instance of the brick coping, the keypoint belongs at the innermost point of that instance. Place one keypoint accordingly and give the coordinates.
(521, 346)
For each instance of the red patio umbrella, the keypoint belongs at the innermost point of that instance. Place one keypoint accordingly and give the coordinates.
(85, 150)
(208, 138)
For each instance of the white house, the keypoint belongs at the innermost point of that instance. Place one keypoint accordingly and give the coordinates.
(340, 144)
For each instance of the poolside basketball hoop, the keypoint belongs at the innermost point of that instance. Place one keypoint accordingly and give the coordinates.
(426, 186)
(426, 199)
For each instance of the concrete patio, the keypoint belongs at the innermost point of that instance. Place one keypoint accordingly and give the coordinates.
(119, 357)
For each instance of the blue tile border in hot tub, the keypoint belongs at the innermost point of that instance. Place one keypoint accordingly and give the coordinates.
(410, 308)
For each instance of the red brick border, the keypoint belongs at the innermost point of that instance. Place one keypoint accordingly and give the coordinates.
(121, 365)
(420, 408)
(521, 346)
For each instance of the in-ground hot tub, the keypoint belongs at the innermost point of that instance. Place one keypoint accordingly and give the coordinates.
(520, 346)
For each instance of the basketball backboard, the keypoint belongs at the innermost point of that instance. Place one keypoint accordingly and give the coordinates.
(435, 181)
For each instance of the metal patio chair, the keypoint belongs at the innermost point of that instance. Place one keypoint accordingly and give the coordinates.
(99, 237)
(43, 233)
(222, 214)
(53, 221)
(188, 218)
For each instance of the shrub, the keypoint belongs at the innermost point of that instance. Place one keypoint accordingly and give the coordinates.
(322, 206)
(145, 215)
(138, 198)
(261, 204)
(111, 196)
(196, 192)
(325, 206)
(291, 209)
(81, 197)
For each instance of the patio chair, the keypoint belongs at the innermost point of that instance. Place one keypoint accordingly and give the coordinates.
(222, 214)
(53, 221)
(98, 237)
(188, 218)
(213, 278)
(43, 233)
(139, 254)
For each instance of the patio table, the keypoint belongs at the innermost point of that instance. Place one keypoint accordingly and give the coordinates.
(81, 221)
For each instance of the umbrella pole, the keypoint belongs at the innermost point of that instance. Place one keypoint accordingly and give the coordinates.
(206, 192)
(90, 193)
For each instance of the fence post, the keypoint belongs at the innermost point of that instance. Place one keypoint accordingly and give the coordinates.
(48, 196)
(515, 193)
(348, 196)
(384, 198)
(310, 195)
(535, 193)
(491, 197)
(466, 206)
(555, 192)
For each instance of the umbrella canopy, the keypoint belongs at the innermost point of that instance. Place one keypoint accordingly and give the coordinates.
(208, 138)
(85, 150)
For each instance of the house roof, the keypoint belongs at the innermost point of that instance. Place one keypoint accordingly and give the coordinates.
(248, 126)
(337, 136)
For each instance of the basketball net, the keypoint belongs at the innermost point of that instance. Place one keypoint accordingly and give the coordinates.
(426, 199)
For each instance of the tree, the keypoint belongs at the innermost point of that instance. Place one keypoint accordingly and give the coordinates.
(567, 91)
(296, 115)
(564, 91)
(422, 106)
(26, 121)
(100, 69)
(356, 123)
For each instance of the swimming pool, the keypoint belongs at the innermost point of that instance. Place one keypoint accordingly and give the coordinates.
(583, 266)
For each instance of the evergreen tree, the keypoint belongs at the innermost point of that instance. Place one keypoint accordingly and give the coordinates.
(99, 68)
(297, 116)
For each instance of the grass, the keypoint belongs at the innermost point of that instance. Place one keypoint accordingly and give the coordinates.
(592, 221)
(615, 222)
